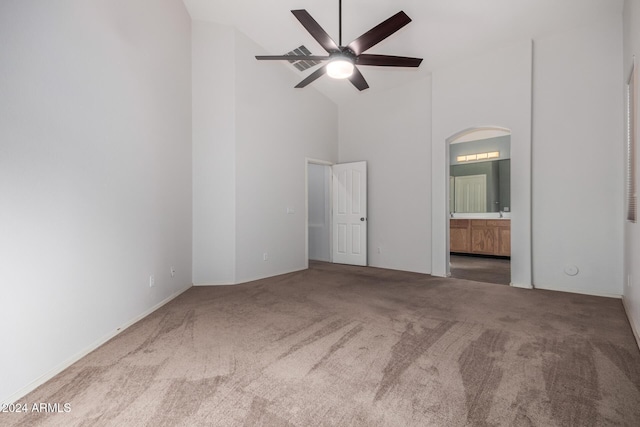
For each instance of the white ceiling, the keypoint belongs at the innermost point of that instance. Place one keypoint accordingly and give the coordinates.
(442, 31)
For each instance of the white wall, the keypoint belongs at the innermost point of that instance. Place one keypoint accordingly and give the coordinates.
(95, 174)
(577, 159)
(252, 134)
(489, 90)
(391, 130)
(277, 128)
(574, 87)
(214, 154)
(319, 212)
(632, 231)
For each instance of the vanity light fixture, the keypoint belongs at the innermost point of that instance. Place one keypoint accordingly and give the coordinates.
(479, 156)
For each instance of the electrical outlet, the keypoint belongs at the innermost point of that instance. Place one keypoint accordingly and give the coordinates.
(152, 281)
(265, 256)
(379, 250)
(173, 271)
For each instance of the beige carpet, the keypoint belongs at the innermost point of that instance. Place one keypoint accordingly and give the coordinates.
(340, 345)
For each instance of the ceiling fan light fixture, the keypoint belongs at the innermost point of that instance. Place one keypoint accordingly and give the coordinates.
(342, 59)
(340, 68)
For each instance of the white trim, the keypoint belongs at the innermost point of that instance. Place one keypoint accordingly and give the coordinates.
(197, 285)
(636, 332)
(448, 141)
(319, 162)
(515, 285)
(73, 359)
(251, 279)
(578, 291)
(256, 278)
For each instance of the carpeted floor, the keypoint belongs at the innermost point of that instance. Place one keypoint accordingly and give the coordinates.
(355, 346)
(481, 269)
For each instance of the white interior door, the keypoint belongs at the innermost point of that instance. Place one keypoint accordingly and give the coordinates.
(350, 213)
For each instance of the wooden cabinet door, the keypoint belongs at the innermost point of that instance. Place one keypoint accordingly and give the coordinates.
(484, 240)
(505, 241)
(480, 236)
(459, 240)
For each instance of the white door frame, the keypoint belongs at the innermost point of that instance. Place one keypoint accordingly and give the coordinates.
(307, 162)
(521, 262)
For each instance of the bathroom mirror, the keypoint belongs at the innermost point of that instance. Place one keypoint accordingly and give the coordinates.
(479, 175)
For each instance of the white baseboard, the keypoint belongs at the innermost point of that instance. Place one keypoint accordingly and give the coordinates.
(222, 283)
(64, 365)
(253, 279)
(515, 285)
(249, 279)
(634, 328)
(579, 291)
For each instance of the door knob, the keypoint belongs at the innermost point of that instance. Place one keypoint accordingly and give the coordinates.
(362, 219)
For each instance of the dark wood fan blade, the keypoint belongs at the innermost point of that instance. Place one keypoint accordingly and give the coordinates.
(291, 57)
(313, 76)
(358, 79)
(316, 30)
(379, 33)
(388, 60)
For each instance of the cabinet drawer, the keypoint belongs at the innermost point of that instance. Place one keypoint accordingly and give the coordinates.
(459, 223)
(499, 223)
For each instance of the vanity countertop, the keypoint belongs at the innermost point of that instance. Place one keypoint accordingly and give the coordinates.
(492, 216)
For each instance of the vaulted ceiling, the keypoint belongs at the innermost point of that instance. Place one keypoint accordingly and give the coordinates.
(442, 31)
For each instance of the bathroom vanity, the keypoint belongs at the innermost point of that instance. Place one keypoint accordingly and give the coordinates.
(481, 236)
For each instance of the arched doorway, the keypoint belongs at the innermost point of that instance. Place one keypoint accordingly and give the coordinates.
(520, 203)
(479, 194)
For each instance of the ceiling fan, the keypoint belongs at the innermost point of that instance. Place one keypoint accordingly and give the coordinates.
(342, 60)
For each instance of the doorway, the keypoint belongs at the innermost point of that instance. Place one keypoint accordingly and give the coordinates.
(319, 212)
(336, 212)
(480, 206)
